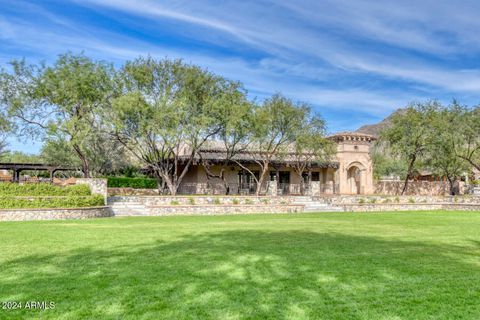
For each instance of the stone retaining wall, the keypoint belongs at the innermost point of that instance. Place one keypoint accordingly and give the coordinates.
(97, 186)
(410, 207)
(378, 199)
(432, 188)
(222, 209)
(54, 214)
(132, 192)
(203, 200)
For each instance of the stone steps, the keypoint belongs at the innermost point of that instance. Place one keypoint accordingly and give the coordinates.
(132, 207)
(129, 208)
(316, 205)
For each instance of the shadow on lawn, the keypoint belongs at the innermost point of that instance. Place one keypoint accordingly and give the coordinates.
(252, 274)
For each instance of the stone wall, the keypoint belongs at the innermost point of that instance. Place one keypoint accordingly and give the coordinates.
(222, 209)
(204, 200)
(98, 186)
(54, 214)
(381, 199)
(433, 188)
(132, 192)
(409, 207)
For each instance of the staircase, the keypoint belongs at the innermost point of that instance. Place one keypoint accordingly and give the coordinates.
(129, 208)
(316, 205)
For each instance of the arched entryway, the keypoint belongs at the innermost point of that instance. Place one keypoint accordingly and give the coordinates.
(354, 179)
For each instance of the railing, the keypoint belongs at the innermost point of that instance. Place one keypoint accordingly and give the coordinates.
(25, 179)
(219, 188)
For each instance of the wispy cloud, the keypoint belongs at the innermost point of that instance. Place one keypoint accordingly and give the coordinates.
(362, 58)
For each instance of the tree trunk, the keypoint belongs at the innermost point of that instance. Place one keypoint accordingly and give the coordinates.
(409, 175)
(83, 158)
(262, 178)
(160, 183)
(451, 184)
(225, 182)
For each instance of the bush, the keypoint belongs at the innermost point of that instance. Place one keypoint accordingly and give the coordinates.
(43, 189)
(135, 183)
(12, 202)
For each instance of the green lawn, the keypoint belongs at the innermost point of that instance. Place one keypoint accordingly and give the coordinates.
(329, 265)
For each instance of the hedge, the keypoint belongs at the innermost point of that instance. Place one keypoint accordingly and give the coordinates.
(43, 189)
(136, 183)
(11, 202)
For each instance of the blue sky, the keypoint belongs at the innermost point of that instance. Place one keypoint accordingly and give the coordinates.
(353, 61)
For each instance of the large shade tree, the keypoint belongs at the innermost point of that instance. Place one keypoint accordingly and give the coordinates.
(409, 135)
(60, 101)
(466, 131)
(441, 155)
(235, 119)
(166, 112)
(311, 147)
(277, 123)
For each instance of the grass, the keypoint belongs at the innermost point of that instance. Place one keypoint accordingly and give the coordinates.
(318, 266)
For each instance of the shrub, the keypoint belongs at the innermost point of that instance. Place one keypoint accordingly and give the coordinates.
(373, 200)
(397, 199)
(43, 189)
(411, 200)
(191, 201)
(248, 201)
(12, 202)
(174, 203)
(361, 201)
(235, 201)
(135, 183)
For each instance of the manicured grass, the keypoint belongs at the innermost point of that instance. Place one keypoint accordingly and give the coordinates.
(318, 266)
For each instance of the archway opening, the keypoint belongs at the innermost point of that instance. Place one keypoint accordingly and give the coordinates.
(354, 180)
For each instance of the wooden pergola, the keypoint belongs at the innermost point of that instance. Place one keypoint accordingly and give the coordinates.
(16, 168)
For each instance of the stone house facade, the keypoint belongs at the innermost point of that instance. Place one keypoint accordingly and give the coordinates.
(349, 172)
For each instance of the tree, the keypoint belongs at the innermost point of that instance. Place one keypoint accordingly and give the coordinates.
(441, 152)
(311, 146)
(235, 120)
(5, 124)
(3, 146)
(105, 155)
(166, 113)
(409, 135)
(467, 133)
(276, 126)
(385, 163)
(60, 101)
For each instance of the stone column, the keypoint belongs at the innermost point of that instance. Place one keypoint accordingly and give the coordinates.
(272, 189)
(314, 188)
(98, 186)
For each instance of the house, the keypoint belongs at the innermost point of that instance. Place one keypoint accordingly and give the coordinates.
(350, 172)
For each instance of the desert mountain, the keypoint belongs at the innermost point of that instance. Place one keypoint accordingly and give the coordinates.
(374, 129)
